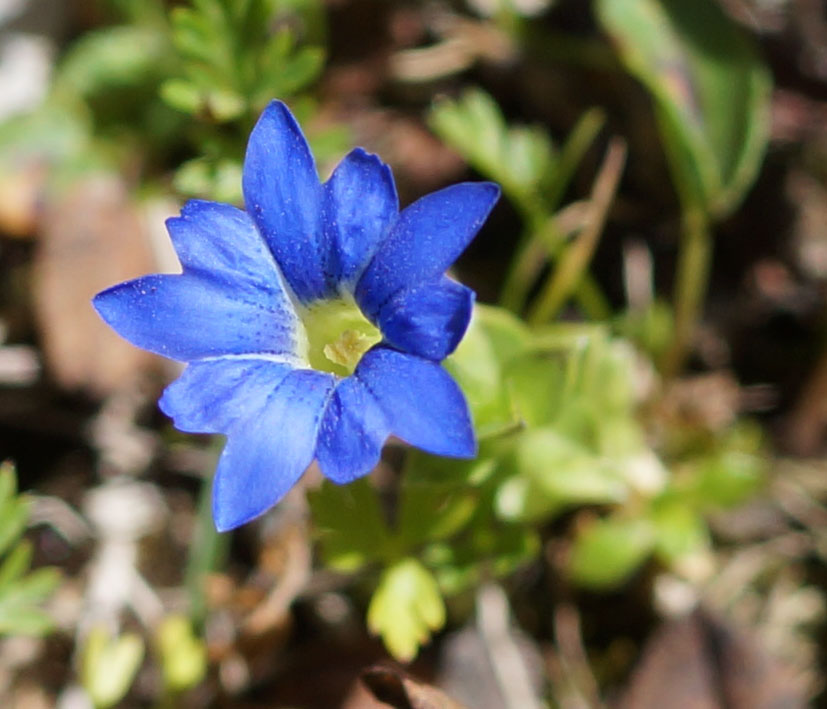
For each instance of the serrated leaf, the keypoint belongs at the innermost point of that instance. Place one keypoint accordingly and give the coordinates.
(33, 588)
(518, 158)
(15, 564)
(182, 95)
(115, 56)
(711, 89)
(298, 72)
(26, 621)
(8, 481)
(192, 33)
(406, 608)
(607, 551)
(349, 521)
(14, 513)
(209, 179)
(18, 612)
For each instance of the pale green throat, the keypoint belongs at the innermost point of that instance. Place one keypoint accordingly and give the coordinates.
(336, 336)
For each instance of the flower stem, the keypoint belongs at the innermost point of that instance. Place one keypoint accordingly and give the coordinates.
(208, 552)
(690, 286)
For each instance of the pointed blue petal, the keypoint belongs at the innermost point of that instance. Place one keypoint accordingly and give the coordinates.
(266, 455)
(428, 320)
(423, 405)
(212, 394)
(425, 240)
(360, 203)
(353, 430)
(283, 194)
(198, 315)
(224, 241)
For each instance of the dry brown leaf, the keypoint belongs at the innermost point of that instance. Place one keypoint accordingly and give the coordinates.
(401, 691)
(91, 237)
(699, 662)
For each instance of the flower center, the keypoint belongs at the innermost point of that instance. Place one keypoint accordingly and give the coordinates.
(337, 335)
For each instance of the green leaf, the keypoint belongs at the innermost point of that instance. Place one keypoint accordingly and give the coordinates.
(25, 621)
(607, 551)
(15, 564)
(509, 336)
(109, 665)
(182, 95)
(553, 471)
(20, 594)
(476, 368)
(406, 608)
(33, 588)
(493, 339)
(679, 529)
(727, 478)
(219, 180)
(8, 481)
(517, 158)
(711, 90)
(430, 511)
(111, 57)
(290, 75)
(535, 383)
(183, 654)
(14, 513)
(487, 549)
(348, 518)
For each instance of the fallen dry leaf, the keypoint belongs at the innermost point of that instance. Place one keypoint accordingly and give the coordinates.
(401, 691)
(91, 237)
(700, 662)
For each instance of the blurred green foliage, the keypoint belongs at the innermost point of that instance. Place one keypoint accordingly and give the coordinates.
(561, 422)
(710, 88)
(161, 84)
(109, 665)
(568, 415)
(22, 592)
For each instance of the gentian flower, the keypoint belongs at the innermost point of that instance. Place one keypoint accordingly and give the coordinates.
(313, 324)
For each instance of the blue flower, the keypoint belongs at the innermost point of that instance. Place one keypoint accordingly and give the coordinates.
(313, 323)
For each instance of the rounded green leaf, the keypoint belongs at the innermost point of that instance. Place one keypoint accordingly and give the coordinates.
(606, 552)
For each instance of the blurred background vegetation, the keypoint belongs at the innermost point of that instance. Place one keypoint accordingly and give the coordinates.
(646, 523)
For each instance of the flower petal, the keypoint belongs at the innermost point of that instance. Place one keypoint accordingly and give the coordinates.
(353, 430)
(267, 454)
(360, 203)
(224, 241)
(425, 240)
(212, 394)
(283, 194)
(423, 405)
(428, 320)
(196, 315)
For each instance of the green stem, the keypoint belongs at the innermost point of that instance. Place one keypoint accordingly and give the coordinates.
(542, 239)
(691, 283)
(208, 551)
(569, 275)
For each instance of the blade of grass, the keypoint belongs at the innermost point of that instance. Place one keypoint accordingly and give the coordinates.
(573, 262)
